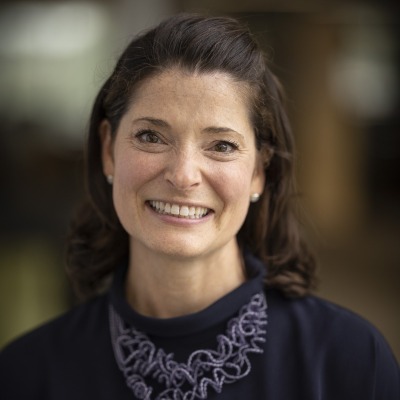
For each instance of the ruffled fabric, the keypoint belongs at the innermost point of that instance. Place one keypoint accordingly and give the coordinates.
(153, 372)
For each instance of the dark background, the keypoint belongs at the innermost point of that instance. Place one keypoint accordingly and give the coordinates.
(339, 61)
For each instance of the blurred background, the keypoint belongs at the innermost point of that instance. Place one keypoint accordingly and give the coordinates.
(339, 62)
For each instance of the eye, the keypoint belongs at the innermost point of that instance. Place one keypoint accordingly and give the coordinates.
(225, 147)
(148, 136)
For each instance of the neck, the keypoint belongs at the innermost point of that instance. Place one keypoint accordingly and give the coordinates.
(167, 287)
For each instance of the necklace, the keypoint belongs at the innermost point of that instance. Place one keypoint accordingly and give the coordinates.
(142, 362)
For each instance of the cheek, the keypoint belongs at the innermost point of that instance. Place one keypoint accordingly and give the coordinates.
(234, 190)
(234, 185)
(133, 169)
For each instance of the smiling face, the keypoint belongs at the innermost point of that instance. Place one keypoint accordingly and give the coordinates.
(184, 163)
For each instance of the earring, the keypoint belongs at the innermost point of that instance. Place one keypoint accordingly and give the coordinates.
(110, 179)
(254, 197)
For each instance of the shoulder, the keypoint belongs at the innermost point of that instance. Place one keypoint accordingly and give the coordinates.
(334, 343)
(57, 346)
(319, 317)
(70, 326)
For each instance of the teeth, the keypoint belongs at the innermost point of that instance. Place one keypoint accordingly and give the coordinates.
(179, 211)
(184, 211)
(174, 209)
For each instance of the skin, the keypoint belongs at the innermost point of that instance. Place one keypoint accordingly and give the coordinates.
(186, 139)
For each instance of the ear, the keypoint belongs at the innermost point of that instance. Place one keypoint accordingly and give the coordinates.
(106, 147)
(258, 180)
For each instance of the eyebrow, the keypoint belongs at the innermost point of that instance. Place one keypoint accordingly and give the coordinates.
(163, 124)
(155, 121)
(220, 129)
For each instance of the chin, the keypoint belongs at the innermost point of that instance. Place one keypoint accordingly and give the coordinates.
(180, 251)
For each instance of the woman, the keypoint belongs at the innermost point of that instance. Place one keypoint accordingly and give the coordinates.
(190, 177)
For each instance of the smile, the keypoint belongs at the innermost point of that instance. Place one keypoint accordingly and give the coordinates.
(180, 211)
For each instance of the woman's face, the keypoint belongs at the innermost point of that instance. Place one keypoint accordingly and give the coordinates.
(184, 163)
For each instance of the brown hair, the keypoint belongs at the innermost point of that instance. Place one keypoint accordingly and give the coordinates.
(98, 243)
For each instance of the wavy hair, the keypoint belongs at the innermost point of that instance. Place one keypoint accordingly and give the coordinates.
(98, 243)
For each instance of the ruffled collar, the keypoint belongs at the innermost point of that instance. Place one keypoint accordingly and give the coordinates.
(221, 310)
(153, 373)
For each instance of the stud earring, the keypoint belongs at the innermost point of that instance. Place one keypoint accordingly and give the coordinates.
(110, 179)
(254, 197)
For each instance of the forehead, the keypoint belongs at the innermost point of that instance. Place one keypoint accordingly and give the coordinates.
(212, 93)
(192, 86)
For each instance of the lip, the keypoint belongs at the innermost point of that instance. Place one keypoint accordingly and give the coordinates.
(177, 220)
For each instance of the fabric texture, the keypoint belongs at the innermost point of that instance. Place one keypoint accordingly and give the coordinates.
(146, 367)
(313, 350)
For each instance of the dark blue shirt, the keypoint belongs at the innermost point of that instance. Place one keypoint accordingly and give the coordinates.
(313, 350)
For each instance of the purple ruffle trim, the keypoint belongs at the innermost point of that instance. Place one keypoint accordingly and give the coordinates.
(140, 360)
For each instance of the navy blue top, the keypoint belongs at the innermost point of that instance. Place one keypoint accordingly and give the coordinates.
(314, 350)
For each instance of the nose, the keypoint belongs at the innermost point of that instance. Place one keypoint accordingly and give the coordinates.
(183, 171)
